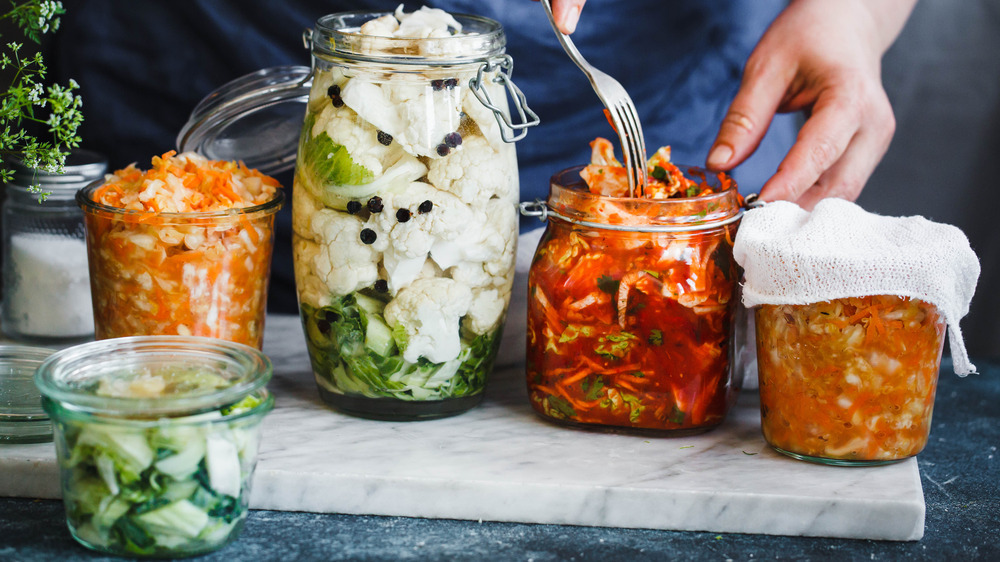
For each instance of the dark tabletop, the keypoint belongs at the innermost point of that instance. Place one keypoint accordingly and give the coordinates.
(959, 470)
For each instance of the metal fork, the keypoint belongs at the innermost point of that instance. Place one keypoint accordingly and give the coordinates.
(620, 106)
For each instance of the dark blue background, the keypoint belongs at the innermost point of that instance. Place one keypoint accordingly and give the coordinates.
(143, 66)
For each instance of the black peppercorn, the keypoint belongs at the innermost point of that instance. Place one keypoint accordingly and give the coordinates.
(452, 139)
(333, 91)
(402, 215)
(337, 101)
(382, 286)
(375, 204)
(443, 149)
(426, 206)
(368, 236)
(451, 83)
(384, 138)
(353, 207)
(437, 85)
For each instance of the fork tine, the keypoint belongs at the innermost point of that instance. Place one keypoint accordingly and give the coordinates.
(620, 106)
(632, 146)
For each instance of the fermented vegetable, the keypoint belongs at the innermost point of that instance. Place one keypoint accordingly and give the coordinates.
(849, 380)
(405, 221)
(181, 249)
(632, 327)
(170, 487)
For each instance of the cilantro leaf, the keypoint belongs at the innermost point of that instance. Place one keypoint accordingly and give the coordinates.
(560, 407)
(608, 284)
(655, 337)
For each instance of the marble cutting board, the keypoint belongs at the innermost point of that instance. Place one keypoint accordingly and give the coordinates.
(500, 462)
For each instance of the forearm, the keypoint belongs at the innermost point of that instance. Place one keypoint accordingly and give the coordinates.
(887, 18)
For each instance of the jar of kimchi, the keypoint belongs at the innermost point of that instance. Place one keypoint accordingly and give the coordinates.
(631, 306)
(849, 381)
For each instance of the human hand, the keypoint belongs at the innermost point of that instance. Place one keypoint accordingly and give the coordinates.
(825, 58)
(567, 14)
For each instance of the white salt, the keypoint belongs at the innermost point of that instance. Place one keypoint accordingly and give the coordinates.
(48, 287)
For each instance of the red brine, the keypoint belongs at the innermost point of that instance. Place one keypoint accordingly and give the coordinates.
(630, 307)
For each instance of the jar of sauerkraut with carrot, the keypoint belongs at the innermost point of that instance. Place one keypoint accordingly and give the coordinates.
(851, 313)
(183, 248)
(631, 300)
(850, 380)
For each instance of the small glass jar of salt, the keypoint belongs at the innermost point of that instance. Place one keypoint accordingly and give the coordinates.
(46, 284)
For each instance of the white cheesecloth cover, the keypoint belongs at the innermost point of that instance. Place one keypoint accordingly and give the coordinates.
(839, 250)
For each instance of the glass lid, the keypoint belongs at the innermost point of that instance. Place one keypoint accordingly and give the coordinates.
(255, 118)
(22, 419)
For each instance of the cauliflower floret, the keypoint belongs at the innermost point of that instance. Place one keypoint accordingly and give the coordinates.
(425, 22)
(476, 172)
(488, 250)
(372, 104)
(427, 115)
(410, 242)
(344, 262)
(485, 311)
(483, 116)
(500, 238)
(416, 115)
(312, 290)
(384, 26)
(358, 137)
(304, 206)
(429, 311)
(471, 274)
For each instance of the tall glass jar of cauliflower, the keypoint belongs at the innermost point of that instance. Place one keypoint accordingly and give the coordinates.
(404, 205)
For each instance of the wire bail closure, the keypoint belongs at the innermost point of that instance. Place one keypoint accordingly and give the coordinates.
(539, 208)
(509, 131)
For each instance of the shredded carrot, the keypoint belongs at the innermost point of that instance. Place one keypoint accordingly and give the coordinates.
(156, 272)
(843, 397)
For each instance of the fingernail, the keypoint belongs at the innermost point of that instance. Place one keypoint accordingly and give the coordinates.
(719, 155)
(571, 19)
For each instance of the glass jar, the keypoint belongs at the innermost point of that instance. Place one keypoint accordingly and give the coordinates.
(156, 439)
(849, 382)
(22, 419)
(45, 277)
(405, 222)
(198, 273)
(404, 204)
(631, 305)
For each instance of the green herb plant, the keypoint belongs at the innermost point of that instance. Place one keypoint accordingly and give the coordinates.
(26, 101)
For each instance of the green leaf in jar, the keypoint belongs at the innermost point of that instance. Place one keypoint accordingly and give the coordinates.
(573, 331)
(655, 337)
(330, 163)
(615, 346)
(608, 284)
(593, 389)
(560, 407)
